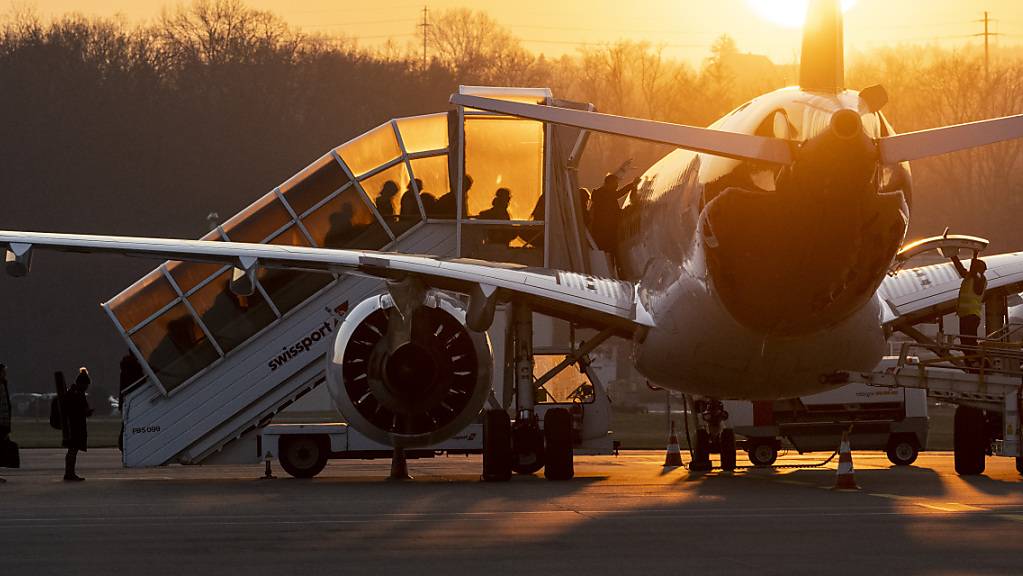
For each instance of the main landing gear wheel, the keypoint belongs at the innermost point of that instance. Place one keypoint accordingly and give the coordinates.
(762, 451)
(497, 453)
(701, 454)
(303, 456)
(527, 449)
(728, 449)
(557, 430)
(902, 451)
(969, 440)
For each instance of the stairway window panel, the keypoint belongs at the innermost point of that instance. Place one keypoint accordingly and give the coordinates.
(258, 222)
(232, 319)
(505, 154)
(371, 150)
(346, 222)
(310, 186)
(424, 133)
(143, 299)
(394, 198)
(433, 173)
(514, 243)
(289, 288)
(175, 347)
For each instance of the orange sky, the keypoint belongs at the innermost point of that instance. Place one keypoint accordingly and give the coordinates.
(686, 27)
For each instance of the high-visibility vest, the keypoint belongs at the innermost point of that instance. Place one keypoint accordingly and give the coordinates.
(969, 301)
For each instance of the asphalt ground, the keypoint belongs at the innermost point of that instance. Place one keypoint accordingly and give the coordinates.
(621, 515)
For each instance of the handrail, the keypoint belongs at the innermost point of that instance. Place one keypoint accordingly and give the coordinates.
(988, 357)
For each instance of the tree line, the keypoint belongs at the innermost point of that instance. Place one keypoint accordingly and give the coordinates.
(120, 128)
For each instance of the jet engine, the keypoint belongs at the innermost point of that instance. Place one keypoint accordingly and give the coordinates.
(409, 382)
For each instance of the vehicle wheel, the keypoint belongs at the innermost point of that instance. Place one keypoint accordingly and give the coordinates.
(303, 456)
(1019, 465)
(557, 431)
(527, 449)
(497, 454)
(969, 439)
(902, 450)
(701, 454)
(762, 451)
(728, 449)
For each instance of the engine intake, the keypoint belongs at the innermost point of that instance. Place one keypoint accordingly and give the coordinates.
(420, 392)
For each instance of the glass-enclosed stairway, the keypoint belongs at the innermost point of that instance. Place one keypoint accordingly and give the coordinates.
(219, 366)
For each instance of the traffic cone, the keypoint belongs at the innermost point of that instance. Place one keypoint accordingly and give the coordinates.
(845, 478)
(673, 457)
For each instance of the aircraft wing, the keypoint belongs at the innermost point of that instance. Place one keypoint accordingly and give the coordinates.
(917, 294)
(706, 140)
(584, 299)
(915, 145)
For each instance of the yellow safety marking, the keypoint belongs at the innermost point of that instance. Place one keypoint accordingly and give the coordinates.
(889, 496)
(1013, 517)
(949, 507)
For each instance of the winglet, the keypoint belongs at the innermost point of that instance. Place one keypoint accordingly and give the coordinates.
(822, 66)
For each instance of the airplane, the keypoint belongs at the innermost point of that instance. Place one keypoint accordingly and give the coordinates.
(753, 261)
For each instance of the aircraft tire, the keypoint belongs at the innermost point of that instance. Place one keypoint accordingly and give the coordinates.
(701, 455)
(728, 449)
(497, 451)
(557, 429)
(527, 450)
(968, 441)
(902, 450)
(303, 456)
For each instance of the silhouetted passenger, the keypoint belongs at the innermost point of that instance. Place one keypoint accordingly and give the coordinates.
(385, 200)
(584, 206)
(76, 409)
(131, 372)
(606, 212)
(499, 211)
(341, 231)
(971, 299)
(539, 209)
(409, 206)
(447, 205)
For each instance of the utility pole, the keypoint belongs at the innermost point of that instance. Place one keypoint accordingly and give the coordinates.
(425, 25)
(987, 34)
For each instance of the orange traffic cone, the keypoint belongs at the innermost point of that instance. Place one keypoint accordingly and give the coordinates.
(845, 479)
(673, 458)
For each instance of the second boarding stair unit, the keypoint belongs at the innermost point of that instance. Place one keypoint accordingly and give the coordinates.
(218, 366)
(984, 381)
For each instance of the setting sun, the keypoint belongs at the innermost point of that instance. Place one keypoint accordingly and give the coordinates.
(789, 13)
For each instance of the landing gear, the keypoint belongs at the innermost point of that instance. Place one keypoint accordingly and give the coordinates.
(970, 440)
(728, 449)
(497, 451)
(557, 429)
(527, 447)
(712, 438)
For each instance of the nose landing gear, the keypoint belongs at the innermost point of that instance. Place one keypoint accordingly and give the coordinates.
(712, 437)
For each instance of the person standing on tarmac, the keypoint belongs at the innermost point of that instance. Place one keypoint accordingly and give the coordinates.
(5, 409)
(76, 410)
(971, 298)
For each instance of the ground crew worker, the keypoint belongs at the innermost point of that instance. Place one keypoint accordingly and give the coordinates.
(971, 298)
(76, 410)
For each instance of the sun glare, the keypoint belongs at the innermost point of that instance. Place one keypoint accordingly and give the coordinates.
(790, 13)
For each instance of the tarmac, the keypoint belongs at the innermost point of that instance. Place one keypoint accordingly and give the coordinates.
(623, 514)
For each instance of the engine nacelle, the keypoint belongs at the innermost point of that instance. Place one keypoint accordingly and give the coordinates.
(425, 390)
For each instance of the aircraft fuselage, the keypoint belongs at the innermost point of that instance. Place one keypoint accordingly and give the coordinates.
(763, 277)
